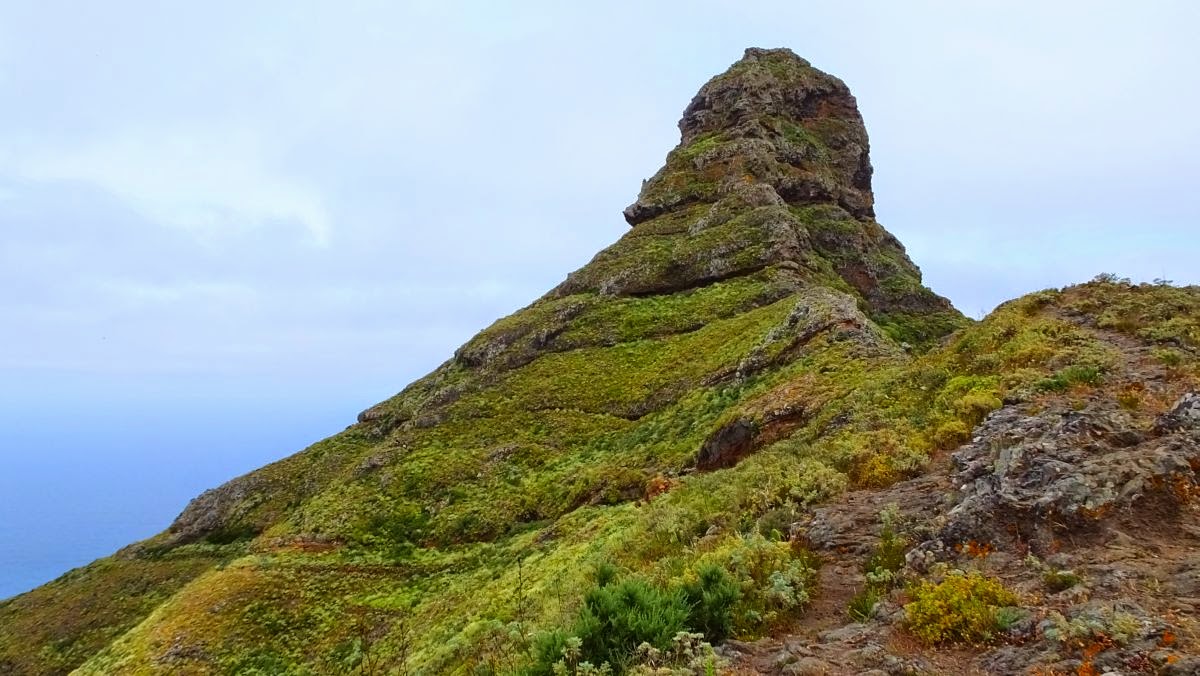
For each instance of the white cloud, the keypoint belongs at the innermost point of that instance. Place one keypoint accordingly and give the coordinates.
(211, 182)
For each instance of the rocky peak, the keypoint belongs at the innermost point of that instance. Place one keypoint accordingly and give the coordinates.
(770, 120)
(765, 82)
(772, 175)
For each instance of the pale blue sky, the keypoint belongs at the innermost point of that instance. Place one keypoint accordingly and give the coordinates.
(224, 210)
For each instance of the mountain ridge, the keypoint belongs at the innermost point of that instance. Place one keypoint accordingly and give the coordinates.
(754, 349)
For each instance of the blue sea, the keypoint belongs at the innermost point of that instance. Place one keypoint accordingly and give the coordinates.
(85, 472)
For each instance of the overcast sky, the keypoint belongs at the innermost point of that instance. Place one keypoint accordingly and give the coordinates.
(257, 199)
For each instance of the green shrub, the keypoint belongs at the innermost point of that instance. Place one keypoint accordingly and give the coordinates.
(951, 434)
(604, 574)
(550, 648)
(1168, 357)
(776, 524)
(1059, 580)
(889, 555)
(877, 458)
(712, 597)
(392, 532)
(874, 471)
(615, 619)
(263, 662)
(1009, 616)
(960, 387)
(881, 566)
(863, 603)
(963, 608)
(773, 581)
(973, 407)
(1104, 624)
(622, 620)
(231, 533)
(1070, 376)
(968, 399)
(1055, 579)
(267, 616)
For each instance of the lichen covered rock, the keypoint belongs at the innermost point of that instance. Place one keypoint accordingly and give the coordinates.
(1059, 469)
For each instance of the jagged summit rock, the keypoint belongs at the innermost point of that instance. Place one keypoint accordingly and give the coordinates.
(771, 120)
(772, 176)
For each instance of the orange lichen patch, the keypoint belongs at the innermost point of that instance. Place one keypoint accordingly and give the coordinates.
(658, 485)
(1184, 488)
(1096, 513)
(975, 549)
(1087, 667)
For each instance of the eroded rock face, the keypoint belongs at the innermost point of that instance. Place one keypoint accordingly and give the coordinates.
(1067, 468)
(818, 311)
(728, 445)
(215, 512)
(1185, 414)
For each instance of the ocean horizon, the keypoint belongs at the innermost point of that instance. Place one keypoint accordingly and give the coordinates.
(86, 477)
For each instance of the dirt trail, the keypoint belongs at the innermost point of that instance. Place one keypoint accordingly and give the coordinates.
(825, 639)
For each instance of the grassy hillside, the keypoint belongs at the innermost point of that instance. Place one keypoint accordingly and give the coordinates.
(371, 565)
